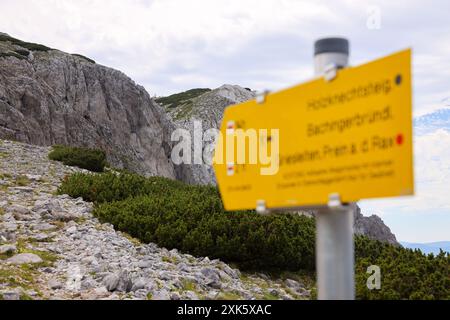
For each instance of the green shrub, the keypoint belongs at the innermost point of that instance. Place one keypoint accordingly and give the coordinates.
(23, 52)
(22, 181)
(194, 222)
(192, 219)
(90, 159)
(110, 186)
(11, 54)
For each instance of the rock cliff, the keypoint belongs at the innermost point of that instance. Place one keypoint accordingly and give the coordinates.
(49, 97)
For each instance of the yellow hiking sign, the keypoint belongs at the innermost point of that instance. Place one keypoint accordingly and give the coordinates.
(351, 136)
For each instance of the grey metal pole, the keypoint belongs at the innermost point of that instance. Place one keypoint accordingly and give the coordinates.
(334, 224)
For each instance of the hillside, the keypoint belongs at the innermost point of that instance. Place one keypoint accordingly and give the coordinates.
(205, 107)
(51, 247)
(58, 246)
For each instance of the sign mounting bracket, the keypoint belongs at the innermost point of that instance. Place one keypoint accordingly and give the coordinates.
(261, 97)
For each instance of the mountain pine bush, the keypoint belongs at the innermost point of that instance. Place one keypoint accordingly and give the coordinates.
(181, 98)
(89, 159)
(405, 273)
(28, 45)
(192, 219)
(111, 186)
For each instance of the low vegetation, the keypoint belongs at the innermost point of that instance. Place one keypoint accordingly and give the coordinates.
(110, 187)
(23, 52)
(89, 159)
(175, 100)
(27, 45)
(192, 219)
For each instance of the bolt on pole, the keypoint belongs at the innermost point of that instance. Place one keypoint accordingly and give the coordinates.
(334, 224)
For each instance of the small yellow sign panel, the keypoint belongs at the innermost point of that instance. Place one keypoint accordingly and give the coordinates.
(351, 136)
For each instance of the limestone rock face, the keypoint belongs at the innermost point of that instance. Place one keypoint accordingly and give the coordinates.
(50, 97)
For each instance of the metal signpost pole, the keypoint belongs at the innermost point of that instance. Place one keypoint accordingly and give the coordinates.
(334, 224)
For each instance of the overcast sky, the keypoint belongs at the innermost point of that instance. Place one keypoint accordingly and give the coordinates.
(174, 45)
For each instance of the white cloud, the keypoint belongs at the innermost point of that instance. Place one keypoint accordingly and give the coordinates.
(424, 217)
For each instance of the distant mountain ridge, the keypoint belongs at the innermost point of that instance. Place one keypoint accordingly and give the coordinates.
(427, 248)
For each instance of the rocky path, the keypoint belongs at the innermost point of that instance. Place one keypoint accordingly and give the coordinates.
(51, 247)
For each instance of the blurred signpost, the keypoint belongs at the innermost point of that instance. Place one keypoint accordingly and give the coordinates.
(345, 136)
(351, 136)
